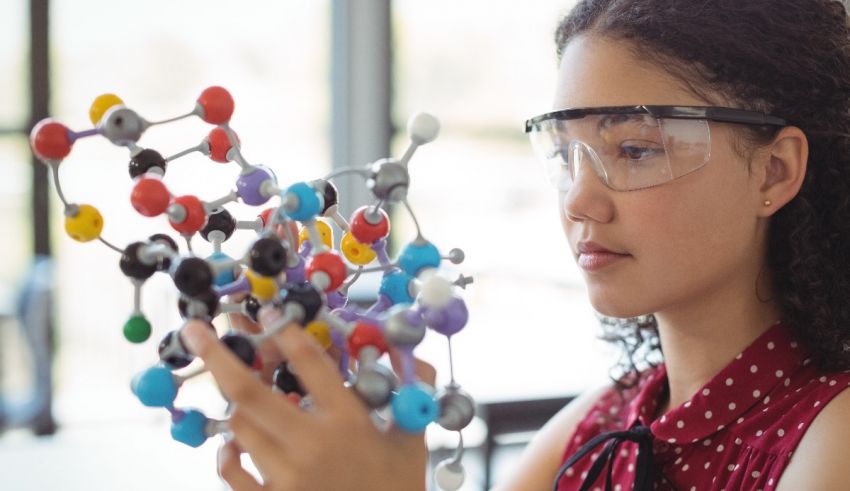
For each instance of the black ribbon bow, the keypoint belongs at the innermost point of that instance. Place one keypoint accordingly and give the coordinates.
(644, 472)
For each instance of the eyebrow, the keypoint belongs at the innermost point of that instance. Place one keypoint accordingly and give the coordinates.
(624, 119)
(711, 113)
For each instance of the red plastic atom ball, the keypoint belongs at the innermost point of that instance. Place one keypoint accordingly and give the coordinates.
(195, 217)
(219, 144)
(265, 216)
(50, 140)
(366, 232)
(329, 263)
(365, 334)
(217, 105)
(293, 397)
(150, 197)
(258, 362)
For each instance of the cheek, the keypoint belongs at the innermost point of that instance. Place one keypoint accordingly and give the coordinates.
(565, 223)
(685, 238)
(690, 229)
(706, 239)
(693, 244)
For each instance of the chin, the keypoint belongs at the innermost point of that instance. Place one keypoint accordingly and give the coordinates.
(609, 307)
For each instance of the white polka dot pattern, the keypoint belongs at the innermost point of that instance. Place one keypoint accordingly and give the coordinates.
(737, 432)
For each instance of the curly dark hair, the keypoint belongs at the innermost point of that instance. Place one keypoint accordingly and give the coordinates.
(790, 58)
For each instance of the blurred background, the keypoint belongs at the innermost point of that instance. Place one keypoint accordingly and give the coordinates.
(318, 85)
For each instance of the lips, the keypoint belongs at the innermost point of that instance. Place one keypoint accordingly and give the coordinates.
(593, 256)
(589, 247)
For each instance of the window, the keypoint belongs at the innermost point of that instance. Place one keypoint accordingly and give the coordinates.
(532, 332)
(158, 57)
(14, 149)
(272, 57)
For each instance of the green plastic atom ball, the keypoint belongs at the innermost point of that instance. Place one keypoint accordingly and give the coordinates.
(137, 329)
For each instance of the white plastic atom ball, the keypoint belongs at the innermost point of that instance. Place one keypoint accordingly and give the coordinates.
(423, 128)
(320, 280)
(449, 475)
(435, 290)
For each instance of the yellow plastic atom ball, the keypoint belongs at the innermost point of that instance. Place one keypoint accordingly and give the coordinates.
(356, 252)
(325, 232)
(321, 331)
(101, 104)
(85, 225)
(262, 287)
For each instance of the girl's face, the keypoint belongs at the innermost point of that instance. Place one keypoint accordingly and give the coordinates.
(685, 240)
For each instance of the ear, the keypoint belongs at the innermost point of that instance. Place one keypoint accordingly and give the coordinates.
(783, 169)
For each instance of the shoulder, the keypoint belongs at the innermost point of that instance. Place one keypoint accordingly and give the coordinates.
(822, 458)
(542, 457)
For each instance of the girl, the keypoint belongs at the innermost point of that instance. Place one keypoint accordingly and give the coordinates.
(702, 155)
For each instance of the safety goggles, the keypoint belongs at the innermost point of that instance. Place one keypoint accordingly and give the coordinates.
(631, 147)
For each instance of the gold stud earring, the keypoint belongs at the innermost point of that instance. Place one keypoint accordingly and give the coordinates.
(767, 202)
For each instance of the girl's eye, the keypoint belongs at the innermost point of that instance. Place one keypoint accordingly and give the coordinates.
(640, 151)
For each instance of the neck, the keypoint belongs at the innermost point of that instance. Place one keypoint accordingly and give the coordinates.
(700, 340)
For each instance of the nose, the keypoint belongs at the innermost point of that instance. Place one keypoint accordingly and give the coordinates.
(588, 198)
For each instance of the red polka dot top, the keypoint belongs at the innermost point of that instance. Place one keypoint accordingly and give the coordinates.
(737, 432)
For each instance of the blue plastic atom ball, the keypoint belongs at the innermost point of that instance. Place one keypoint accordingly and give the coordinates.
(416, 257)
(414, 408)
(309, 202)
(155, 387)
(396, 287)
(226, 276)
(189, 427)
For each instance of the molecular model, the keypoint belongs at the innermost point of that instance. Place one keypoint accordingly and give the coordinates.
(290, 273)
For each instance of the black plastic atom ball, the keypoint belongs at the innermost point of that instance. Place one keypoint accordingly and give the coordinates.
(306, 295)
(252, 307)
(208, 298)
(144, 161)
(221, 220)
(329, 193)
(267, 257)
(286, 381)
(241, 346)
(173, 352)
(193, 276)
(132, 266)
(164, 263)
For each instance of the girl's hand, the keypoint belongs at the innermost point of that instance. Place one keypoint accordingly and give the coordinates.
(333, 446)
(269, 353)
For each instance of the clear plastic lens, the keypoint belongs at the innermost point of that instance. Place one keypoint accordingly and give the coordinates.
(627, 151)
(547, 148)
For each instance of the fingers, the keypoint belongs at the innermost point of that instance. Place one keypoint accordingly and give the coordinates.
(271, 360)
(414, 444)
(313, 367)
(241, 322)
(269, 354)
(426, 372)
(265, 448)
(423, 370)
(237, 382)
(231, 471)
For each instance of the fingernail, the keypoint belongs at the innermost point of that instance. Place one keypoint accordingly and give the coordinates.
(195, 334)
(267, 315)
